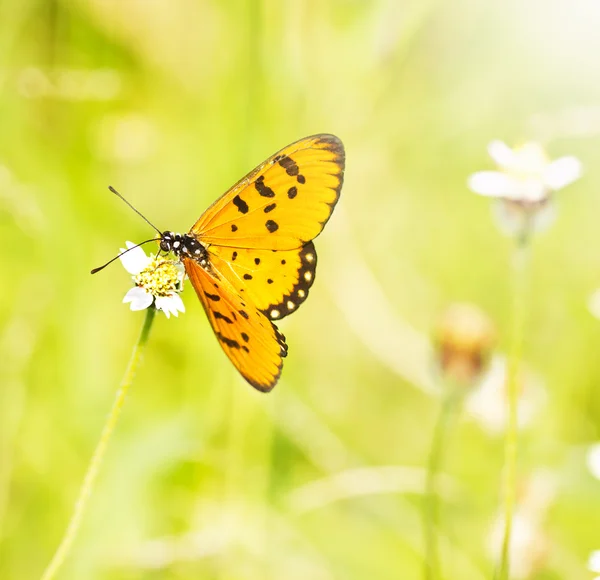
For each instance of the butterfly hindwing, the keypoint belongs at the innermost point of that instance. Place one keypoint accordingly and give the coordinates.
(275, 282)
(283, 203)
(250, 340)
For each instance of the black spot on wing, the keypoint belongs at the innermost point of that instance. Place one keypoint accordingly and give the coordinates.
(245, 336)
(240, 204)
(270, 207)
(234, 228)
(292, 192)
(247, 277)
(301, 179)
(220, 316)
(272, 226)
(290, 166)
(213, 297)
(228, 341)
(262, 189)
(257, 261)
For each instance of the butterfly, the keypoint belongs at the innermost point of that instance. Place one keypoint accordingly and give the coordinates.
(250, 256)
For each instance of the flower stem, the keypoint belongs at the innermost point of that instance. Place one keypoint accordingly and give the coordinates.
(431, 511)
(96, 461)
(520, 268)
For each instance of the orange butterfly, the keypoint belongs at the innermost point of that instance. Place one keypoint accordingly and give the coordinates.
(250, 256)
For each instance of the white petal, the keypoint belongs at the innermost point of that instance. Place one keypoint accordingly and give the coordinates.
(492, 184)
(594, 561)
(135, 260)
(164, 303)
(170, 305)
(562, 172)
(593, 463)
(177, 303)
(501, 153)
(139, 298)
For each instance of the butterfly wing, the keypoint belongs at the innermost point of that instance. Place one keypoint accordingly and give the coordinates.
(275, 282)
(250, 340)
(283, 203)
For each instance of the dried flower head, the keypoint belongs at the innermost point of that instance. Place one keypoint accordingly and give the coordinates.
(465, 336)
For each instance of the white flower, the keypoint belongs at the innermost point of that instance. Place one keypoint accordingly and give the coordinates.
(529, 546)
(525, 173)
(488, 402)
(157, 281)
(594, 563)
(593, 461)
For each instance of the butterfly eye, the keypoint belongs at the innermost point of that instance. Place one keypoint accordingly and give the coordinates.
(165, 243)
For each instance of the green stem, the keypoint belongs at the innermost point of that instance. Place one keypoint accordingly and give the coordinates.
(431, 511)
(520, 268)
(93, 468)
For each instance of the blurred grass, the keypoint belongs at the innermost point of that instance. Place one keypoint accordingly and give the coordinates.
(171, 102)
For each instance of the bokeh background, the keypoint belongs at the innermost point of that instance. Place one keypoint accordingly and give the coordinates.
(172, 102)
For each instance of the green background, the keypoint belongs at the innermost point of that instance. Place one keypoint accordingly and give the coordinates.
(172, 102)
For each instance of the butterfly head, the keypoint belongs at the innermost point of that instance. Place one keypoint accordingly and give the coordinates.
(183, 245)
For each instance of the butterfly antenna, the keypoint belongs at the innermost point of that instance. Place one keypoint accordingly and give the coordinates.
(111, 188)
(118, 256)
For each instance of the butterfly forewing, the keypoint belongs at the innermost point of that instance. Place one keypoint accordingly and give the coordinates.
(250, 340)
(283, 203)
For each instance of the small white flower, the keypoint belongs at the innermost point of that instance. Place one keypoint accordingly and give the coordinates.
(594, 563)
(529, 546)
(593, 461)
(488, 402)
(157, 281)
(525, 173)
(523, 185)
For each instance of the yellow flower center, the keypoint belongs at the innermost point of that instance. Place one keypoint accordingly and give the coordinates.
(160, 277)
(530, 162)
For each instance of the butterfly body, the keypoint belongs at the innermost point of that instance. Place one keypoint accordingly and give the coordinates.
(250, 256)
(183, 245)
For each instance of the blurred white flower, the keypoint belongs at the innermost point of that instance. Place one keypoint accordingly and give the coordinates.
(525, 173)
(594, 563)
(529, 545)
(523, 185)
(157, 280)
(488, 402)
(593, 460)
